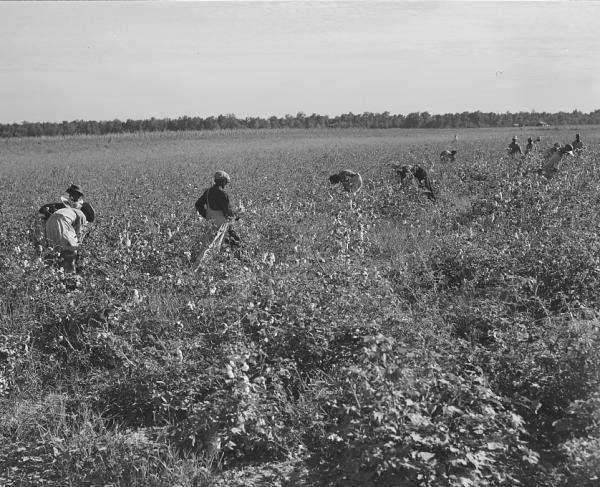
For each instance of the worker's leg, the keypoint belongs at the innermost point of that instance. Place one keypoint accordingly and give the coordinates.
(69, 257)
(232, 238)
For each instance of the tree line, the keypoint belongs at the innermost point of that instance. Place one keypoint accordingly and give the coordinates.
(366, 120)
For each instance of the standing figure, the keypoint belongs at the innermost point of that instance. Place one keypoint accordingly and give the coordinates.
(214, 205)
(514, 148)
(350, 180)
(577, 145)
(65, 223)
(530, 147)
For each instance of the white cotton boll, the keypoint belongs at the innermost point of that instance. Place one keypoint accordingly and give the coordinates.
(268, 258)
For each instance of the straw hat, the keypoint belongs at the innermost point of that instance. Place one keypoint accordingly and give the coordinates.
(221, 176)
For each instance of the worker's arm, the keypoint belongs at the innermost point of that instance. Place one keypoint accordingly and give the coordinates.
(201, 205)
(228, 210)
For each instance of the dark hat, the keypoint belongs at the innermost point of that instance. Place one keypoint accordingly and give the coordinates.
(88, 211)
(74, 190)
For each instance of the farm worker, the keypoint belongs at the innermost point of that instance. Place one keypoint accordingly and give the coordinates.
(552, 163)
(351, 181)
(577, 144)
(448, 155)
(552, 150)
(73, 198)
(514, 148)
(408, 172)
(65, 227)
(214, 205)
(530, 147)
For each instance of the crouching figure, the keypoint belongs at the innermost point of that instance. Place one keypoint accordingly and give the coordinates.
(409, 173)
(351, 181)
(448, 155)
(65, 224)
(553, 160)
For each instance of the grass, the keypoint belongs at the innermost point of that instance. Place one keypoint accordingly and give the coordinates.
(388, 340)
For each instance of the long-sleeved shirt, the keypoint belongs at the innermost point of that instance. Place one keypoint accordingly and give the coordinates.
(64, 226)
(214, 205)
(514, 148)
(530, 147)
(552, 164)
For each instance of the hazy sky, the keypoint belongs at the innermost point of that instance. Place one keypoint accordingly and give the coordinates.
(105, 60)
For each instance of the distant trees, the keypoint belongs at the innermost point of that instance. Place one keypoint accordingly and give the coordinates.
(367, 120)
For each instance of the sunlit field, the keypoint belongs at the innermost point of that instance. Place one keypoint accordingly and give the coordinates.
(376, 339)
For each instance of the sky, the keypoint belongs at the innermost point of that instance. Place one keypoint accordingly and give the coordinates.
(167, 59)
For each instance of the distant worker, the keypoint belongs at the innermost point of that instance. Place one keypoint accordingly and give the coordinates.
(448, 155)
(408, 173)
(577, 145)
(514, 148)
(552, 161)
(530, 147)
(552, 164)
(552, 150)
(65, 225)
(351, 181)
(214, 205)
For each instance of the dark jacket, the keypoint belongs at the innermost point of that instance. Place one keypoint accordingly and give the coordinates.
(217, 199)
(47, 210)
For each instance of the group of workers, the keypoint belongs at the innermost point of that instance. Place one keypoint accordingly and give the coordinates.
(514, 149)
(63, 224)
(552, 157)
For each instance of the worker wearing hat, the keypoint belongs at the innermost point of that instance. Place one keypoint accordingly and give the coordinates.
(64, 225)
(215, 206)
(577, 144)
(514, 148)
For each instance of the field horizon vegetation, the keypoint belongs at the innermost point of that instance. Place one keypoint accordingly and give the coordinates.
(371, 340)
(366, 120)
